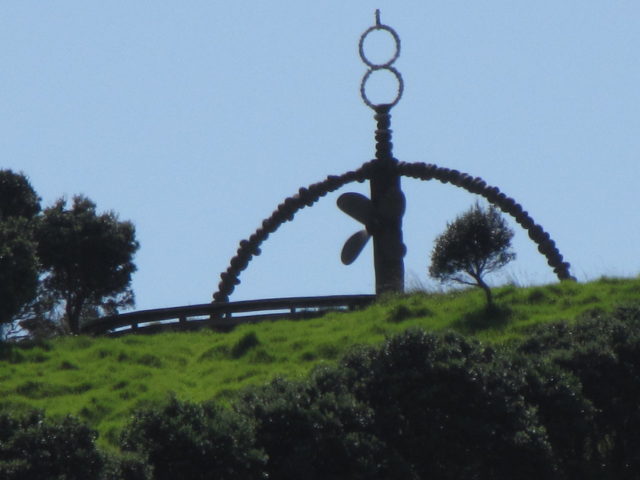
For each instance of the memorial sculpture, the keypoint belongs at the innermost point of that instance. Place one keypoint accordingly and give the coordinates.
(382, 214)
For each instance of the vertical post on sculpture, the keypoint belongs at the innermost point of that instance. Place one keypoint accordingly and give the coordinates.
(389, 204)
(386, 192)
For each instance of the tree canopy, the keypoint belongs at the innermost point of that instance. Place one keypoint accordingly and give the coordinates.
(87, 258)
(17, 196)
(18, 268)
(62, 264)
(18, 263)
(476, 243)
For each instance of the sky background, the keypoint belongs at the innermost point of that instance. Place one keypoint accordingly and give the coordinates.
(195, 119)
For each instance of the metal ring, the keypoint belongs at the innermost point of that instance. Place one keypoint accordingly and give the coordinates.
(363, 92)
(396, 39)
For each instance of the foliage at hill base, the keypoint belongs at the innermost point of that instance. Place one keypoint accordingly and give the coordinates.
(559, 403)
(102, 381)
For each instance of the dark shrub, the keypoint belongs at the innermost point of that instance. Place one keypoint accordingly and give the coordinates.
(607, 362)
(447, 409)
(317, 430)
(32, 448)
(126, 466)
(603, 353)
(562, 409)
(187, 440)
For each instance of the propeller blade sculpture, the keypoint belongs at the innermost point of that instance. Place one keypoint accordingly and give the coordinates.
(353, 246)
(359, 207)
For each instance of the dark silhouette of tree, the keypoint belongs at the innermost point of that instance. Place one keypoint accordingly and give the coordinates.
(17, 196)
(18, 268)
(87, 259)
(19, 205)
(474, 244)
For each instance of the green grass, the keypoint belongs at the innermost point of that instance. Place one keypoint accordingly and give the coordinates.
(102, 380)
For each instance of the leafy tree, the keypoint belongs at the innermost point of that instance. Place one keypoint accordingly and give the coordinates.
(474, 244)
(18, 268)
(19, 204)
(17, 196)
(42, 316)
(87, 259)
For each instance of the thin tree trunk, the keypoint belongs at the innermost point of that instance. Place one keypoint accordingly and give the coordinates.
(482, 284)
(487, 292)
(74, 308)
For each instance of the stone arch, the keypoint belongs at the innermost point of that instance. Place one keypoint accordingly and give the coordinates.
(306, 197)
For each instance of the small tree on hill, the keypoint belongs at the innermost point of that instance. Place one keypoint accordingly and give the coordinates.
(87, 259)
(476, 243)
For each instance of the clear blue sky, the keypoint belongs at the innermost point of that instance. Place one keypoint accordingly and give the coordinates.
(195, 119)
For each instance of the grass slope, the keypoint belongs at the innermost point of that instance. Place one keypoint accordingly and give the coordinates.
(101, 380)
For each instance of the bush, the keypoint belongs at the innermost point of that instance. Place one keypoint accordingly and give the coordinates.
(32, 448)
(447, 409)
(315, 429)
(562, 409)
(188, 440)
(127, 466)
(603, 353)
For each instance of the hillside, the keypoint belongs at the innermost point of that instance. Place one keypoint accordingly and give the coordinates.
(101, 380)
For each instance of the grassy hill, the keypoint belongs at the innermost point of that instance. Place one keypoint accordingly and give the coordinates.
(101, 380)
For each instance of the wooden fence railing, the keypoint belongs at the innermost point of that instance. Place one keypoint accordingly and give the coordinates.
(223, 316)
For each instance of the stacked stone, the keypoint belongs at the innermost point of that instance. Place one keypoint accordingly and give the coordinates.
(384, 145)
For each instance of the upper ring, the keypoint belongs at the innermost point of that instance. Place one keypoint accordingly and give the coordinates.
(396, 39)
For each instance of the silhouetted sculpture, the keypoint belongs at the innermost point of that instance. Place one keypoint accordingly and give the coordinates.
(382, 214)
